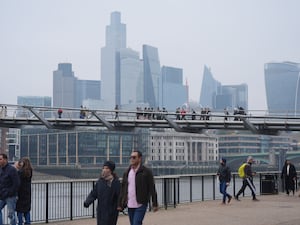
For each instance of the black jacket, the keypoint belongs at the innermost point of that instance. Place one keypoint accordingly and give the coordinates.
(144, 185)
(107, 213)
(24, 193)
(224, 174)
(9, 181)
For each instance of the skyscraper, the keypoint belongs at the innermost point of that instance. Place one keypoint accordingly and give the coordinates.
(129, 78)
(64, 84)
(282, 81)
(217, 96)
(87, 89)
(231, 96)
(68, 91)
(174, 93)
(152, 76)
(209, 89)
(115, 40)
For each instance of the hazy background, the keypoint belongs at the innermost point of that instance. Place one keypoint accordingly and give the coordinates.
(232, 37)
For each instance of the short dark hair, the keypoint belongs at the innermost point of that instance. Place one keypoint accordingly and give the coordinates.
(138, 152)
(4, 156)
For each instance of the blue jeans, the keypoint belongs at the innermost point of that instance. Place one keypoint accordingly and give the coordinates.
(136, 215)
(11, 205)
(223, 188)
(26, 216)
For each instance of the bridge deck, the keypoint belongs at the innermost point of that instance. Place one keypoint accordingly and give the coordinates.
(270, 210)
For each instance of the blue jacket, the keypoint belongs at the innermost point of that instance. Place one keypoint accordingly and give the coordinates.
(9, 182)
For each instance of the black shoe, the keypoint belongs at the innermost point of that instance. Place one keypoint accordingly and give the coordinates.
(237, 198)
(255, 199)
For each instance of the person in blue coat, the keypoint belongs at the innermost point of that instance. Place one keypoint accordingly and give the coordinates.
(106, 191)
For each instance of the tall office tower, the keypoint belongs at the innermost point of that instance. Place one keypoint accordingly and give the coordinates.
(232, 96)
(209, 89)
(115, 40)
(174, 93)
(129, 78)
(64, 85)
(87, 89)
(152, 77)
(33, 101)
(282, 80)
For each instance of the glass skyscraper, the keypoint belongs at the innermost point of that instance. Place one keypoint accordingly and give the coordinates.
(209, 89)
(282, 87)
(115, 40)
(130, 77)
(68, 91)
(217, 96)
(174, 93)
(152, 76)
(64, 84)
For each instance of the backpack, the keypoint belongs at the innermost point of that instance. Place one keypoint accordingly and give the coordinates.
(241, 170)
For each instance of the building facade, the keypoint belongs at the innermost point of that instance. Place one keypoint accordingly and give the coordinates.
(282, 82)
(182, 147)
(174, 93)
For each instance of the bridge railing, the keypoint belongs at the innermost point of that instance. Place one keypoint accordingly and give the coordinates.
(63, 200)
(23, 111)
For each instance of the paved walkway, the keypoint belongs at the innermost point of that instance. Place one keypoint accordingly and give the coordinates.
(270, 210)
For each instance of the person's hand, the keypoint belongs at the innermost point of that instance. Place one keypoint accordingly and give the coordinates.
(227, 184)
(119, 209)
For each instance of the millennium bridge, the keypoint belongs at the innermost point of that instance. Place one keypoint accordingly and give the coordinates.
(258, 122)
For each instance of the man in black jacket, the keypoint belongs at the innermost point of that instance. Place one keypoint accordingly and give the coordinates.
(224, 175)
(136, 189)
(9, 185)
(289, 175)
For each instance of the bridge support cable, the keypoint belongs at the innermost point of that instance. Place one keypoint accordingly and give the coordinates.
(42, 119)
(105, 122)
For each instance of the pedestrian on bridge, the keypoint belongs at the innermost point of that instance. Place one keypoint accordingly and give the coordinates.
(107, 191)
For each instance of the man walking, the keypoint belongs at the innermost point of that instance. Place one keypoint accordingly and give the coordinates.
(9, 185)
(224, 174)
(248, 180)
(137, 187)
(289, 175)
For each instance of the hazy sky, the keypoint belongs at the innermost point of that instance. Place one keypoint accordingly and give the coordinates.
(232, 37)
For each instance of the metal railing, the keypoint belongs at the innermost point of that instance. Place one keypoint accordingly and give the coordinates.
(63, 200)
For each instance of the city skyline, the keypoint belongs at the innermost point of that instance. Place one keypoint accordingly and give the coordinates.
(235, 42)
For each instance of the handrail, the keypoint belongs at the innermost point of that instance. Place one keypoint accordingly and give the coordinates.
(63, 199)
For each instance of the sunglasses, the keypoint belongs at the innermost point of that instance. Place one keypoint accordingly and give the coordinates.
(133, 157)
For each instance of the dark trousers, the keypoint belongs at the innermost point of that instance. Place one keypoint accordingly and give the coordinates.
(247, 182)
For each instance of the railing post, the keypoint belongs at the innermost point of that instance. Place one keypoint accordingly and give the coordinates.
(165, 194)
(71, 200)
(233, 178)
(178, 191)
(191, 188)
(174, 194)
(202, 183)
(213, 187)
(47, 203)
(93, 213)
